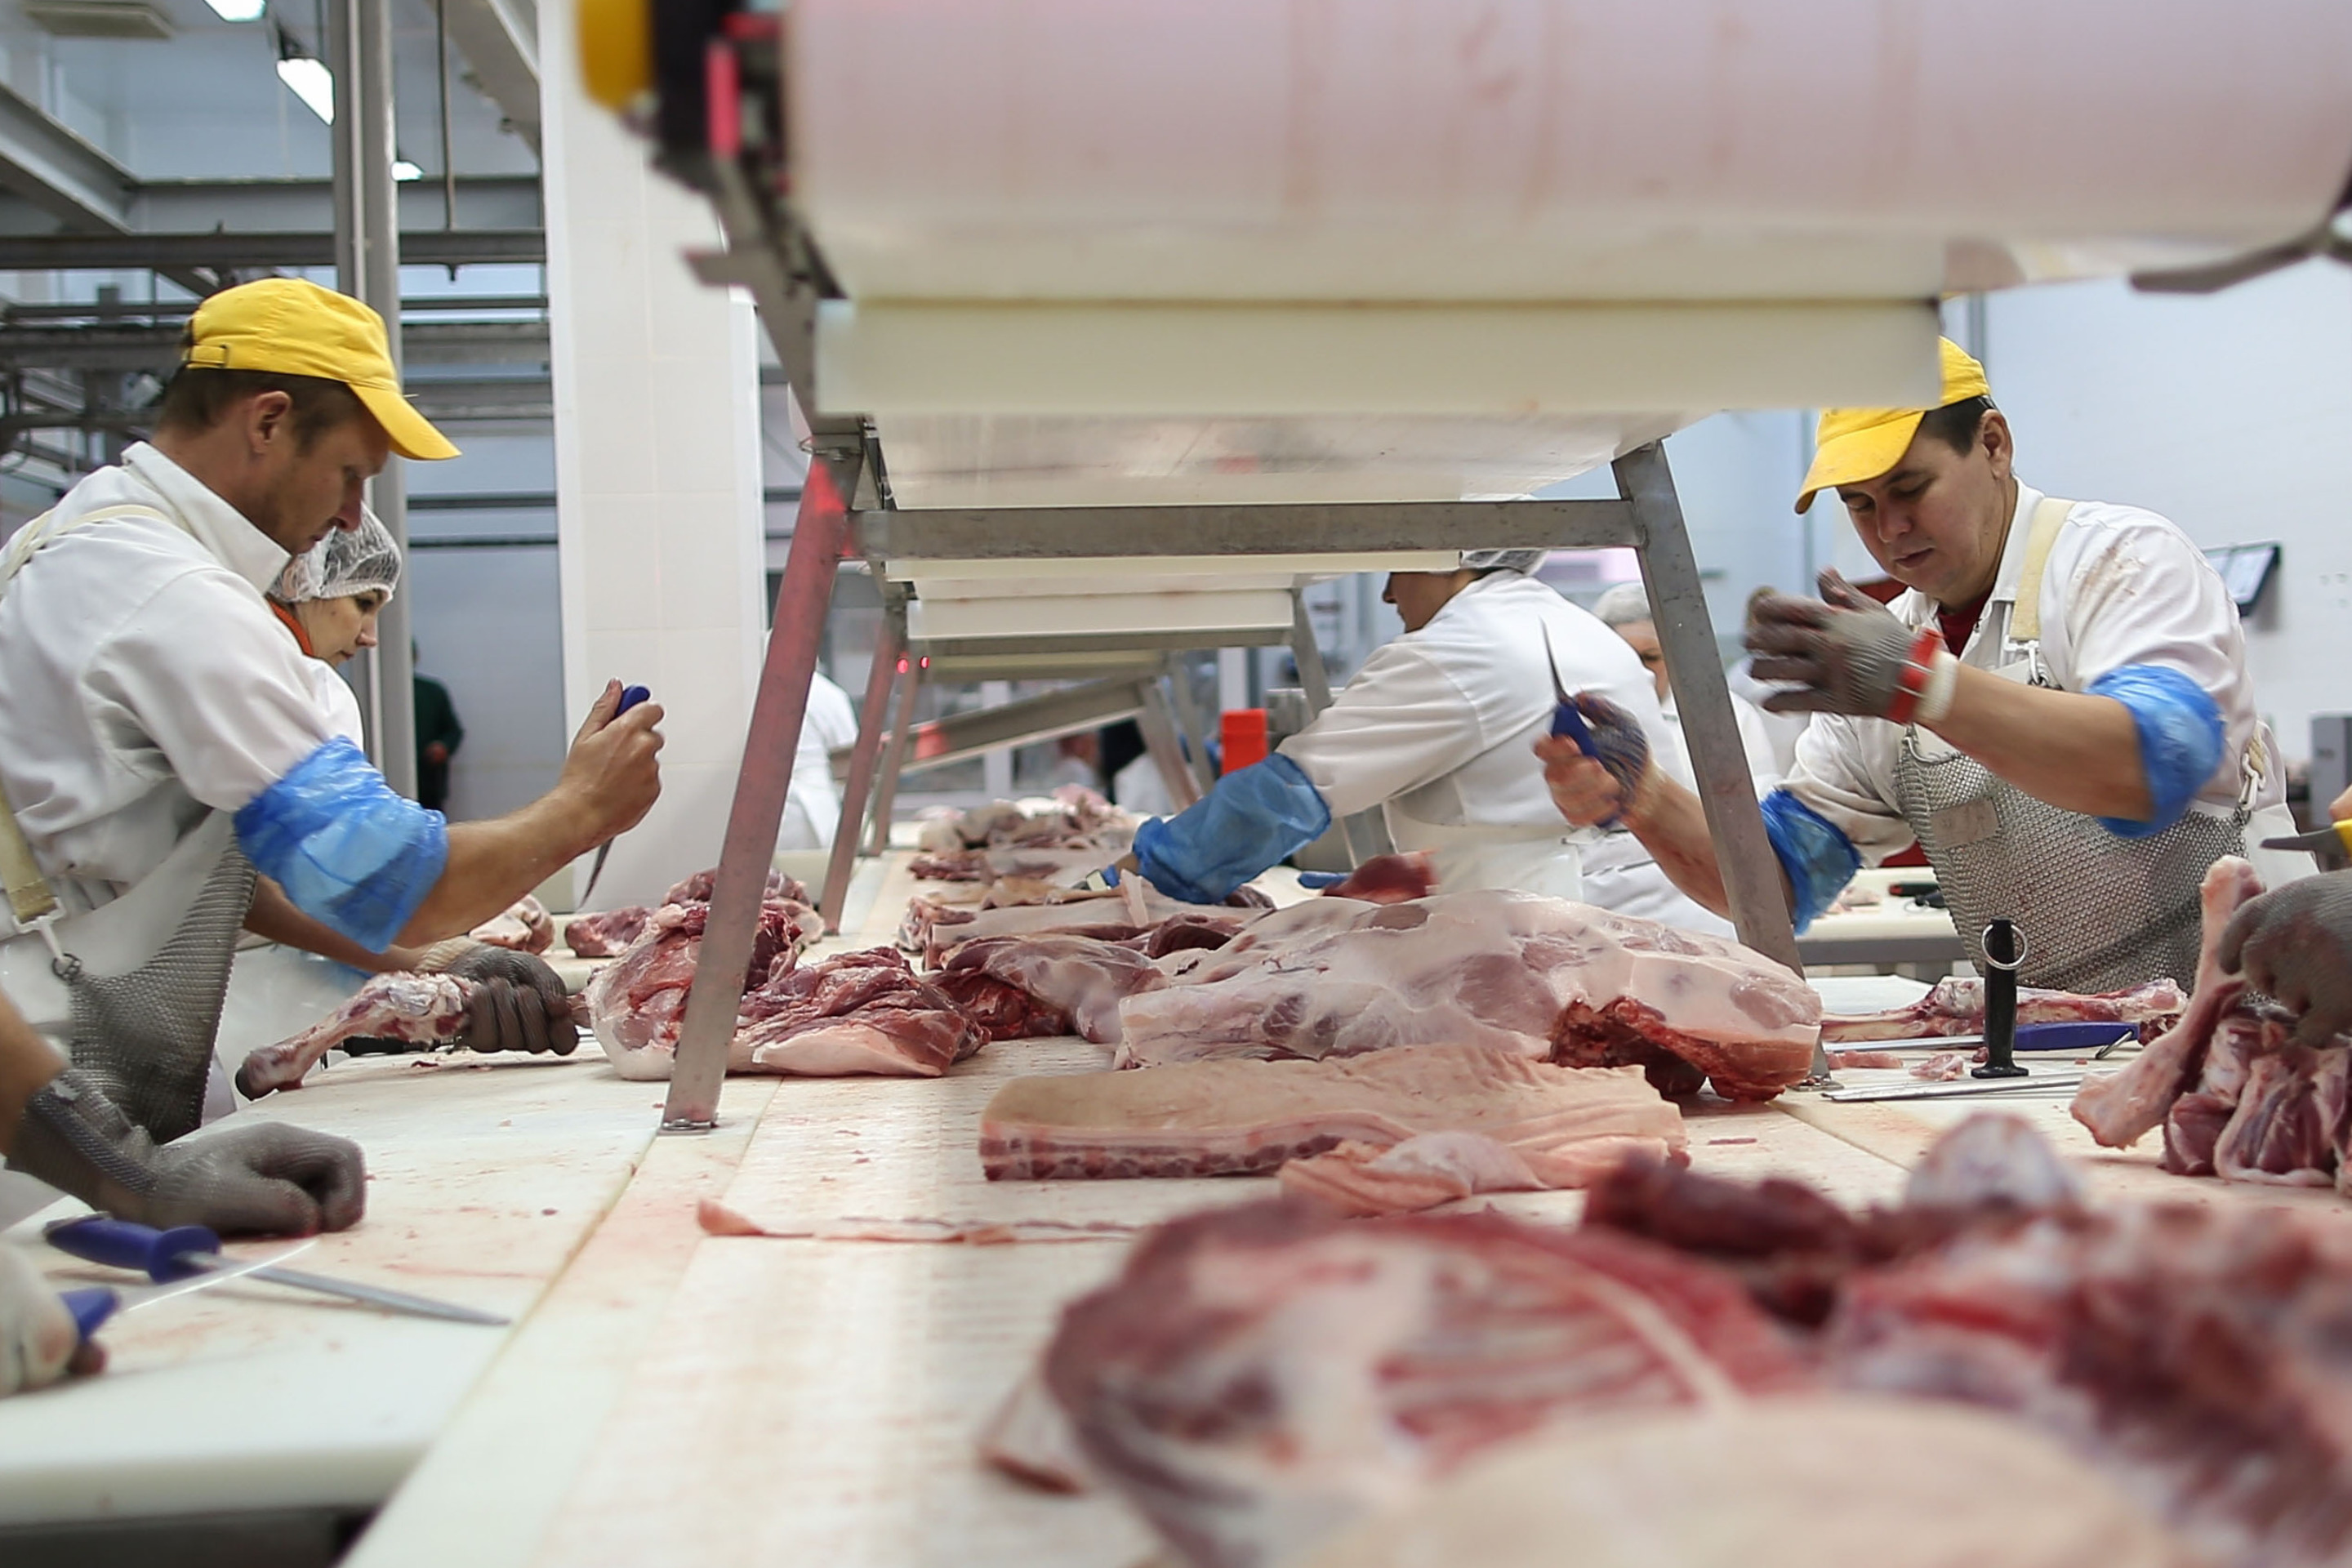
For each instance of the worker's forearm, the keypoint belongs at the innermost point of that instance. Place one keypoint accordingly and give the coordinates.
(274, 917)
(27, 1062)
(1671, 822)
(493, 864)
(2071, 750)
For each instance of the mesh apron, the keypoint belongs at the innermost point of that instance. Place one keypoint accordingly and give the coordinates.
(143, 976)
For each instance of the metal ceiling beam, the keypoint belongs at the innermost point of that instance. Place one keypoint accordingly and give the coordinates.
(500, 42)
(293, 206)
(257, 252)
(59, 171)
(157, 348)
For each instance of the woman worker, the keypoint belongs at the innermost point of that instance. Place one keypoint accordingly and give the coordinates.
(329, 597)
(1436, 730)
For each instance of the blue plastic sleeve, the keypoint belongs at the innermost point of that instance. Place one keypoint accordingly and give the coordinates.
(348, 852)
(1819, 860)
(1252, 818)
(2180, 738)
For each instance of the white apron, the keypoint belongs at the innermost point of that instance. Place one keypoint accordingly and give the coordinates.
(1544, 860)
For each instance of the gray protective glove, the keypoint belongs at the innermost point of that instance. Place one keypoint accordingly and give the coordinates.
(263, 1178)
(2294, 944)
(520, 1003)
(1845, 649)
(1618, 742)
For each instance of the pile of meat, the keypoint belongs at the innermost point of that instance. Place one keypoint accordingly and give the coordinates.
(1957, 1006)
(415, 1009)
(608, 934)
(525, 927)
(1272, 1385)
(2235, 1097)
(1053, 840)
(1393, 1131)
(1508, 971)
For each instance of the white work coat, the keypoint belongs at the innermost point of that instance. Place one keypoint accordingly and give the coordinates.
(1439, 726)
(812, 804)
(2122, 586)
(143, 679)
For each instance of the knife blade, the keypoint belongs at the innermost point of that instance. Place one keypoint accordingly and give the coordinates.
(2065, 1035)
(630, 697)
(92, 1305)
(1953, 1087)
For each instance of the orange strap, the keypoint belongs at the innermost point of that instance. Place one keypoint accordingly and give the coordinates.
(301, 638)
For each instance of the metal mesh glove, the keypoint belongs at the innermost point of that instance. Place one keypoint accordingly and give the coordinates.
(1845, 649)
(36, 1334)
(265, 1179)
(520, 1003)
(1618, 742)
(2294, 944)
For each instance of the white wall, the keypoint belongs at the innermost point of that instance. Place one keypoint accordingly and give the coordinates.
(2231, 414)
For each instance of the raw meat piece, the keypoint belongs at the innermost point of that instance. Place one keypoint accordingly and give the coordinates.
(1944, 1065)
(605, 935)
(936, 930)
(697, 889)
(951, 866)
(856, 1012)
(636, 1003)
(1184, 934)
(2284, 1130)
(2121, 1106)
(1238, 1116)
(1259, 1376)
(1856, 1060)
(1359, 1179)
(999, 1007)
(419, 1009)
(2193, 1126)
(1509, 970)
(1772, 1484)
(1030, 1439)
(525, 927)
(1989, 1161)
(1388, 879)
(1073, 981)
(1076, 818)
(1955, 1006)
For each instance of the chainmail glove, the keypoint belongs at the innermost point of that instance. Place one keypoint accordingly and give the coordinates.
(36, 1334)
(262, 1178)
(1844, 650)
(520, 1003)
(2294, 944)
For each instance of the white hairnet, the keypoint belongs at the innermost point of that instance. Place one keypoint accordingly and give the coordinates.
(348, 561)
(1623, 605)
(1507, 560)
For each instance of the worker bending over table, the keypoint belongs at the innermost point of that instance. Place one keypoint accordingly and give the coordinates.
(2089, 750)
(1436, 729)
(161, 740)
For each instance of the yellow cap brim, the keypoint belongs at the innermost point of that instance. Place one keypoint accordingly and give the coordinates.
(410, 433)
(1859, 454)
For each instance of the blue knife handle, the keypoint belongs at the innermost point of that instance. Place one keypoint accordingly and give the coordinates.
(630, 697)
(1567, 720)
(2069, 1035)
(160, 1254)
(90, 1305)
(1321, 880)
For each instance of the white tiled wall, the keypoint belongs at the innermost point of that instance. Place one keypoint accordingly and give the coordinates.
(658, 469)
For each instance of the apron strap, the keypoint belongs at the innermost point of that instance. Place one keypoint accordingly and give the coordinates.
(2041, 536)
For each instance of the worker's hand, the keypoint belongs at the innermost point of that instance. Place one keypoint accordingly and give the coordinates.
(1597, 790)
(1845, 650)
(2294, 944)
(255, 1178)
(518, 1004)
(612, 778)
(38, 1337)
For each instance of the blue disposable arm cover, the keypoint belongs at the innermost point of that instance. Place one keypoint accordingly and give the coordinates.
(1819, 860)
(1252, 820)
(2179, 740)
(348, 852)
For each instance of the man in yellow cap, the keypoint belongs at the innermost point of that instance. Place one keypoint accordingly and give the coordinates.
(2058, 711)
(161, 740)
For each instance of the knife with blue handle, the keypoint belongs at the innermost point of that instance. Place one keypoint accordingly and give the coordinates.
(92, 1305)
(630, 697)
(1566, 719)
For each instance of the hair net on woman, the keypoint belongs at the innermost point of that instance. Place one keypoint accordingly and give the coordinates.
(348, 561)
(1623, 605)
(1503, 560)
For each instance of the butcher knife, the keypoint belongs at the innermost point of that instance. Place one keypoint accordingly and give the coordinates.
(92, 1305)
(2065, 1035)
(2060, 1079)
(630, 697)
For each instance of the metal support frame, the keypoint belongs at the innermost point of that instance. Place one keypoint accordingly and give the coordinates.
(1159, 727)
(1190, 722)
(1365, 834)
(879, 675)
(894, 759)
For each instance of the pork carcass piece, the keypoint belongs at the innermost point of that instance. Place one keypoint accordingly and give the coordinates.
(1388, 879)
(1134, 908)
(636, 1003)
(416, 1010)
(1075, 981)
(2120, 1107)
(856, 1012)
(1956, 1005)
(1809, 1481)
(605, 935)
(525, 926)
(1509, 970)
(697, 889)
(1257, 1377)
(1239, 1117)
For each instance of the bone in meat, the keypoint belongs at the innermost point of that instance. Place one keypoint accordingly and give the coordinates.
(1956, 1005)
(1508, 971)
(1237, 1115)
(856, 1012)
(2120, 1107)
(636, 1003)
(605, 935)
(420, 1009)
(1074, 979)
(934, 929)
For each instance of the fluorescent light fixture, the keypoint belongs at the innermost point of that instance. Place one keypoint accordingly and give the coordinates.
(310, 81)
(404, 171)
(238, 10)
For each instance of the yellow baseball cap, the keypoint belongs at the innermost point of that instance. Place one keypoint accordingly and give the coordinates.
(293, 327)
(1856, 444)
